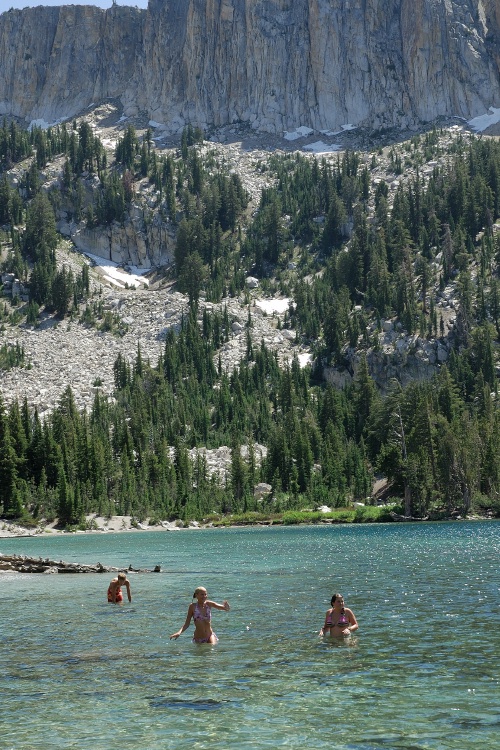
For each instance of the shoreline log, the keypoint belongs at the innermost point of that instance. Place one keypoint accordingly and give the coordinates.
(26, 564)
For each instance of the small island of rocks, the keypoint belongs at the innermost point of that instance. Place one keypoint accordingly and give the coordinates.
(25, 564)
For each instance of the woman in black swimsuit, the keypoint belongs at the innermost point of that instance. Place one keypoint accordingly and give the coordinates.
(339, 620)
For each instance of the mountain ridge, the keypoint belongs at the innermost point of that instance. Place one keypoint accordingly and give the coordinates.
(272, 63)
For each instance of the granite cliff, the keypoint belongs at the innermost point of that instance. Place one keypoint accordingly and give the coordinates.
(276, 64)
(55, 61)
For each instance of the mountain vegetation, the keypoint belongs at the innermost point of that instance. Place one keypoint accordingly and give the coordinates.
(350, 252)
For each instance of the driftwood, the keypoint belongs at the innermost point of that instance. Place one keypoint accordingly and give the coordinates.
(24, 564)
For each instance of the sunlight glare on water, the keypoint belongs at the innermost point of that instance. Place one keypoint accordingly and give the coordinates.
(422, 671)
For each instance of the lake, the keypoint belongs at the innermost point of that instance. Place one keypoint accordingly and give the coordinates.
(421, 672)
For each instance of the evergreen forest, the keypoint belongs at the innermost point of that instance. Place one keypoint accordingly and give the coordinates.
(351, 251)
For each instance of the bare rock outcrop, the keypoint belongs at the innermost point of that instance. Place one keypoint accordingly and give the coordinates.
(279, 64)
(133, 241)
(26, 564)
(56, 61)
(276, 64)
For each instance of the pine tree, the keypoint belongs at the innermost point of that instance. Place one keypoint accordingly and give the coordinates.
(66, 509)
(192, 277)
(5, 201)
(364, 395)
(239, 472)
(40, 238)
(9, 500)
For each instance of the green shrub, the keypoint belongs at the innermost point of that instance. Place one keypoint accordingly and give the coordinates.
(366, 514)
(484, 504)
(243, 519)
(291, 517)
(11, 355)
(341, 515)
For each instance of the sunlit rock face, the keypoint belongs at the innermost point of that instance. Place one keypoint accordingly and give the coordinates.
(55, 61)
(276, 64)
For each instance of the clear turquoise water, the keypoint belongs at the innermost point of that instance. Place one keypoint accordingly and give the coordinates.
(423, 671)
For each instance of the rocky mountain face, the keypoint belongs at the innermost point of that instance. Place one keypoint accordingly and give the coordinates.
(276, 64)
(55, 61)
(132, 242)
(69, 353)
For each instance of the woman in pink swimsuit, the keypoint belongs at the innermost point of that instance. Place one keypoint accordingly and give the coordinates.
(339, 620)
(200, 613)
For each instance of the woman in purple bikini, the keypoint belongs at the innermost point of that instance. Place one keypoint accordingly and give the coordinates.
(339, 620)
(201, 613)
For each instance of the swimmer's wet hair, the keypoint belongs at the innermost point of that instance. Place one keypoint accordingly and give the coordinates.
(122, 576)
(200, 588)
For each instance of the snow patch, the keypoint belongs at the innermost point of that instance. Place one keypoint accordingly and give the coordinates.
(44, 125)
(484, 121)
(271, 306)
(118, 276)
(343, 129)
(305, 359)
(301, 132)
(319, 147)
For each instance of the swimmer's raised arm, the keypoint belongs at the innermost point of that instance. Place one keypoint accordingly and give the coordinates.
(225, 605)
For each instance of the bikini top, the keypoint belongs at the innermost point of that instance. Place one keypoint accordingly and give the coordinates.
(204, 614)
(342, 622)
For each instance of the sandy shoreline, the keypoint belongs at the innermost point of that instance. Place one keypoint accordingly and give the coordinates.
(97, 525)
(119, 524)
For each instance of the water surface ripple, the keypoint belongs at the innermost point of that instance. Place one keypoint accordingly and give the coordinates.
(421, 673)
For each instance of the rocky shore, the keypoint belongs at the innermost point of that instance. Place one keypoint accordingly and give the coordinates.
(94, 525)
